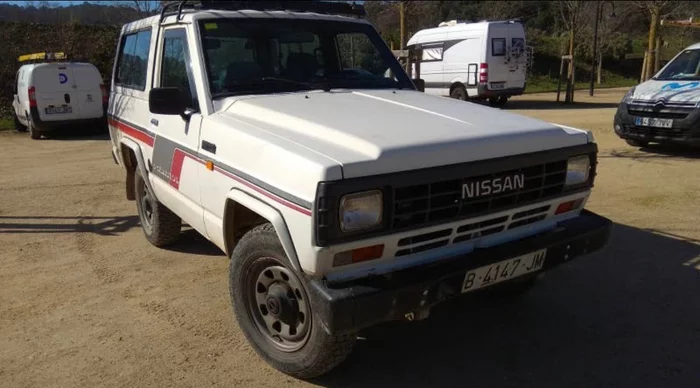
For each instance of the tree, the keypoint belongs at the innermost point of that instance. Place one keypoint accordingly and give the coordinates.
(656, 9)
(571, 14)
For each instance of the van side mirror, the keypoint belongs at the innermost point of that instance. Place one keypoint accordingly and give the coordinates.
(420, 84)
(166, 101)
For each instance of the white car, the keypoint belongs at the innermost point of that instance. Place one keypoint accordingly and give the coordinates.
(343, 198)
(53, 94)
(473, 61)
(664, 109)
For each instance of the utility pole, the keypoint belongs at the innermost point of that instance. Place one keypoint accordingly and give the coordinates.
(595, 46)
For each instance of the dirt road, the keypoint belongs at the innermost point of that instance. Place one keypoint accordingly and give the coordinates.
(85, 301)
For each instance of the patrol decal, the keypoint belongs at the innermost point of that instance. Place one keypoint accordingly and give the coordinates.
(62, 78)
(677, 86)
(169, 157)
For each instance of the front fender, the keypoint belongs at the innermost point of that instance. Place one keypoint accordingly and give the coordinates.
(274, 217)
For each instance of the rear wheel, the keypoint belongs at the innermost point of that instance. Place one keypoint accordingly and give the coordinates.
(498, 101)
(160, 225)
(274, 312)
(34, 133)
(637, 143)
(459, 93)
(19, 127)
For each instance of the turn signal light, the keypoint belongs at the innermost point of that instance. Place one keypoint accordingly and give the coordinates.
(568, 206)
(358, 255)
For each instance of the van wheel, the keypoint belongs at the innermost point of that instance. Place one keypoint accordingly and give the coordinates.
(160, 225)
(274, 312)
(637, 143)
(19, 127)
(498, 101)
(459, 93)
(34, 133)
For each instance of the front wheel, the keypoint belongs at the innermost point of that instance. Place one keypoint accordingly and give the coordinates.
(274, 312)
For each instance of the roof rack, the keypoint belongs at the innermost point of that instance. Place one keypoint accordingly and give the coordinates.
(322, 7)
(42, 57)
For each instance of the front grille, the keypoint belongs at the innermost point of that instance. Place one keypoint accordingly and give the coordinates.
(670, 133)
(668, 111)
(418, 205)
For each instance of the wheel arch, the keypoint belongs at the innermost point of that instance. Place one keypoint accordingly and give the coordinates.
(131, 159)
(243, 212)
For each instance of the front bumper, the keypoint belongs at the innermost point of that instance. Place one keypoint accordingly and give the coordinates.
(685, 130)
(345, 308)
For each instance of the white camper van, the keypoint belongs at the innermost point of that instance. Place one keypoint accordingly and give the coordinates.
(476, 61)
(53, 94)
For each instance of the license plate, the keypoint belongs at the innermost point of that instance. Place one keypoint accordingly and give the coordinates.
(58, 109)
(504, 270)
(497, 86)
(653, 122)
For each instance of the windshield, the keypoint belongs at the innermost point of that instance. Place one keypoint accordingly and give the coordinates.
(254, 56)
(685, 67)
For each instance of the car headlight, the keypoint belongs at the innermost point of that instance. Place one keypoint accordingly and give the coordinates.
(628, 96)
(577, 170)
(360, 210)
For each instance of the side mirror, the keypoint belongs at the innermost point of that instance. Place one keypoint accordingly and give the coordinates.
(420, 84)
(166, 101)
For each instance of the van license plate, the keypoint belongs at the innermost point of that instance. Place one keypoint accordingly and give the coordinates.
(497, 86)
(653, 122)
(503, 270)
(57, 110)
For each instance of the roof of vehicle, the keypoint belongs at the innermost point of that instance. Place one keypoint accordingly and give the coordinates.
(52, 64)
(693, 46)
(189, 16)
(453, 27)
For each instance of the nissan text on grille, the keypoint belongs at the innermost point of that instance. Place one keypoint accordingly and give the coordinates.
(289, 136)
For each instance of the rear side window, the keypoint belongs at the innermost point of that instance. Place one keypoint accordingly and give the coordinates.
(498, 47)
(175, 68)
(132, 66)
(432, 53)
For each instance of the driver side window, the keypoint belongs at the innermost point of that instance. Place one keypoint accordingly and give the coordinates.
(175, 65)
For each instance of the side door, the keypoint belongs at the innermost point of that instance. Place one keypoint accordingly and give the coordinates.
(175, 164)
(497, 50)
(432, 70)
(517, 66)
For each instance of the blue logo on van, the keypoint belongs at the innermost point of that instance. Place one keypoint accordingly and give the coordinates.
(62, 78)
(676, 86)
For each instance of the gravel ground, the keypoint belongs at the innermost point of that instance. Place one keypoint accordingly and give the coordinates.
(85, 301)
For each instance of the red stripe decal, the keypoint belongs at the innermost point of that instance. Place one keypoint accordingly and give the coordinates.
(176, 167)
(133, 132)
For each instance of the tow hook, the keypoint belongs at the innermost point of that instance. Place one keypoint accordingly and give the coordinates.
(418, 315)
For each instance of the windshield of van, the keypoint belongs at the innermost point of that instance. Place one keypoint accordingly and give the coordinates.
(686, 67)
(258, 56)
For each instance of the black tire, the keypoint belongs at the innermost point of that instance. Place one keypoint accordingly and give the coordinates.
(34, 133)
(637, 143)
(459, 93)
(498, 101)
(160, 225)
(311, 352)
(19, 127)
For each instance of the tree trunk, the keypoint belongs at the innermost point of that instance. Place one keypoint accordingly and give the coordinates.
(570, 76)
(657, 57)
(600, 68)
(402, 21)
(653, 28)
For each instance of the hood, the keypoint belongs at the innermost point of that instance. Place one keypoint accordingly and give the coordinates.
(372, 132)
(671, 91)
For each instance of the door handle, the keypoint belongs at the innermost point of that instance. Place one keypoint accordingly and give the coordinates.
(209, 147)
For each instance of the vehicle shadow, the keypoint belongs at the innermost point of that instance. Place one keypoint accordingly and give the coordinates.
(105, 226)
(623, 317)
(77, 135)
(192, 242)
(654, 152)
(524, 104)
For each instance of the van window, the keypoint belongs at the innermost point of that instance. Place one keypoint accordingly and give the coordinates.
(175, 68)
(432, 53)
(132, 64)
(498, 47)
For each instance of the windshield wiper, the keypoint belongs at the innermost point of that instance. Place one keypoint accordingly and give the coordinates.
(310, 85)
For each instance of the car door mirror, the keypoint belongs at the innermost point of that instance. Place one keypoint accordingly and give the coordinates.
(420, 84)
(166, 101)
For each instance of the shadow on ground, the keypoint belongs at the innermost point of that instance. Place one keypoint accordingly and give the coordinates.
(193, 242)
(106, 226)
(654, 152)
(626, 316)
(522, 104)
(76, 135)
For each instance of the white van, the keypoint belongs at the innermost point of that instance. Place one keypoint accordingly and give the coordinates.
(51, 95)
(476, 61)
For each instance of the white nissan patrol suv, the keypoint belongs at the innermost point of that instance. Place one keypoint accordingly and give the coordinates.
(288, 135)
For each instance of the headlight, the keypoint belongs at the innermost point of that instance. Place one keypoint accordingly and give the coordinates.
(628, 96)
(577, 170)
(360, 210)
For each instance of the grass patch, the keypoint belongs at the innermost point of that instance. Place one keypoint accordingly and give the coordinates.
(543, 84)
(6, 123)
